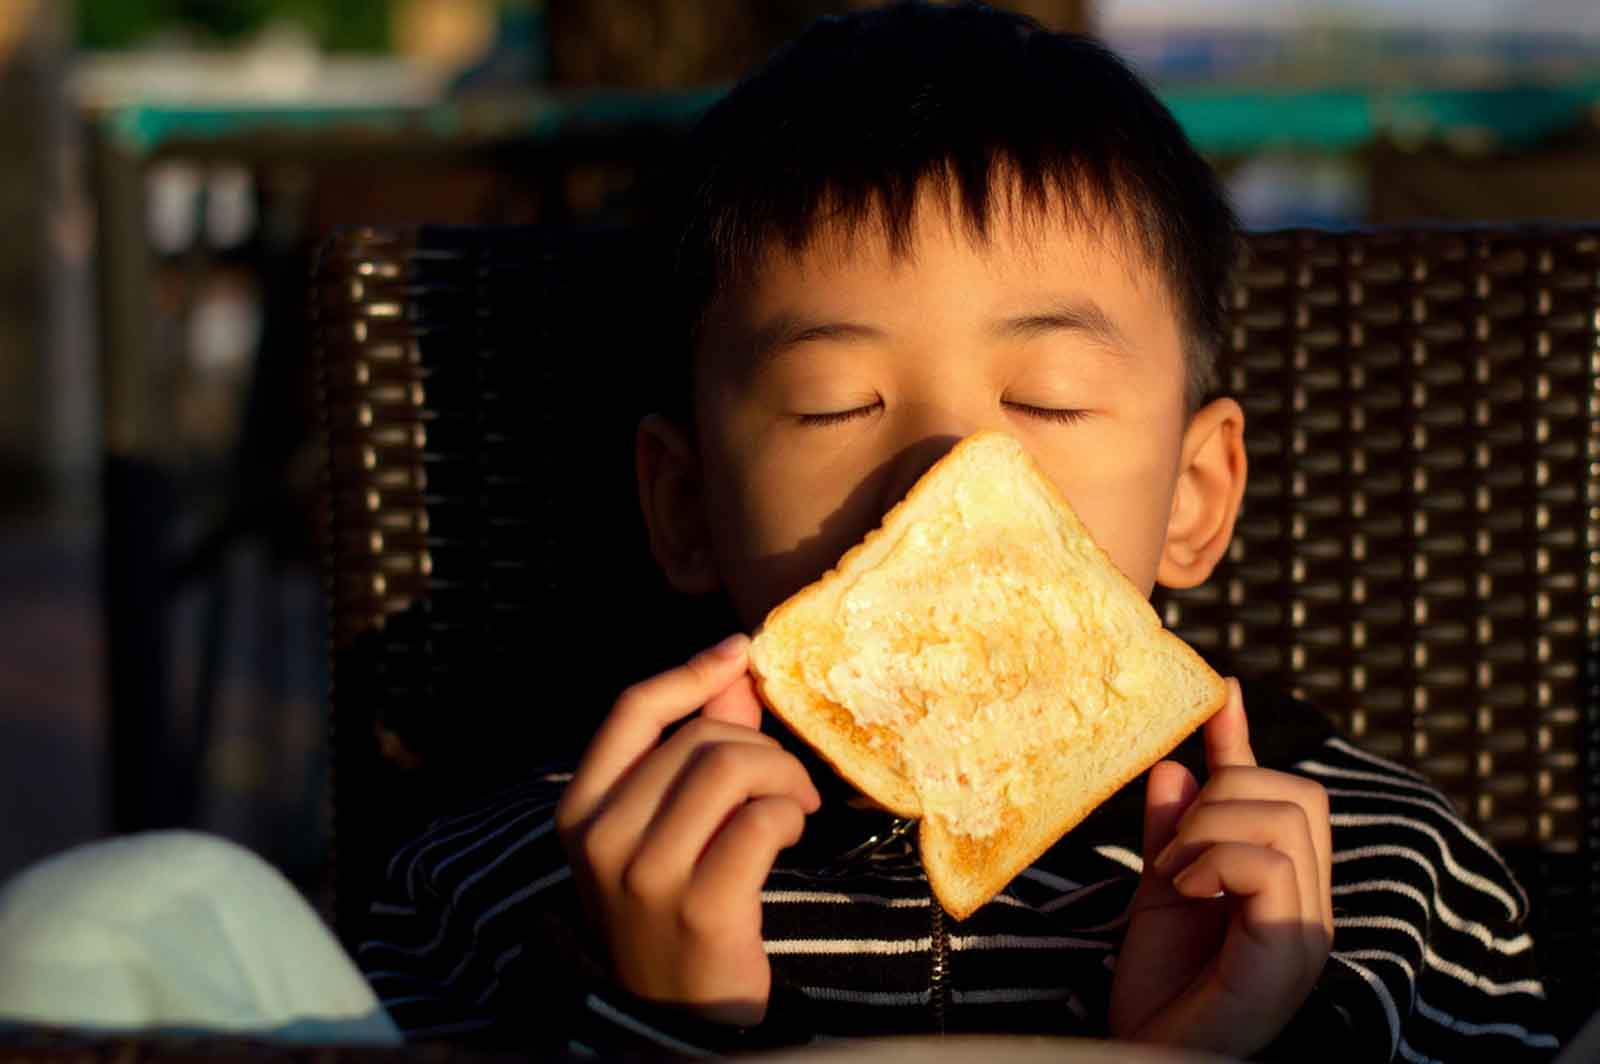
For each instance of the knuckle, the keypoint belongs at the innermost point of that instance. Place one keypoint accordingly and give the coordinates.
(699, 669)
(805, 789)
(772, 818)
(598, 843)
(698, 731)
(632, 699)
(1288, 815)
(795, 766)
(642, 881)
(573, 836)
(700, 915)
(723, 759)
(1315, 799)
(566, 817)
(587, 850)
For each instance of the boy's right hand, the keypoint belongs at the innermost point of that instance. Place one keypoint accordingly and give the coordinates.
(670, 842)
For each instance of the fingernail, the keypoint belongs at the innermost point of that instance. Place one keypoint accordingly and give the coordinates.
(1163, 857)
(730, 647)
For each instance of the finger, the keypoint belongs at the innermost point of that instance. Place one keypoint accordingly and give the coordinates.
(1243, 783)
(1278, 826)
(1261, 967)
(1227, 733)
(1273, 941)
(1324, 833)
(739, 858)
(1169, 791)
(1252, 783)
(624, 814)
(639, 716)
(712, 790)
(737, 703)
(1315, 803)
(1263, 879)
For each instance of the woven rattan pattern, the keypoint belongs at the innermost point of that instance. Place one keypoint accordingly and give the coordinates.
(482, 526)
(1417, 552)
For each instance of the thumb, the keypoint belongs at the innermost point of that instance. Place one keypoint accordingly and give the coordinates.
(1169, 791)
(1228, 733)
(736, 704)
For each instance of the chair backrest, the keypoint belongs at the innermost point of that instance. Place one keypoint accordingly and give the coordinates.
(1419, 552)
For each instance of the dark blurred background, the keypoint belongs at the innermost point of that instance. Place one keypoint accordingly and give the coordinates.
(168, 168)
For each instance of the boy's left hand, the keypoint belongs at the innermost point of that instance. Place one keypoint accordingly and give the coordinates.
(1233, 918)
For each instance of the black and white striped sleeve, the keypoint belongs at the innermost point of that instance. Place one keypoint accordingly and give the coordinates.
(477, 938)
(441, 937)
(1430, 950)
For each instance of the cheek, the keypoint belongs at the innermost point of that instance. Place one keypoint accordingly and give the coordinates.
(1125, 502)
(777, 523)
(734, 508)
(1132, 531)
(736, 530)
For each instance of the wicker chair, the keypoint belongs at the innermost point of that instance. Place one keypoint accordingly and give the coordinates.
(1419, 552)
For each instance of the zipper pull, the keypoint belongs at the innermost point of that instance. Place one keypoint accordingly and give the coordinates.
(875, 842)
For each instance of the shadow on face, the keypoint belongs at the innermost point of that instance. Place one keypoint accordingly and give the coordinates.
(775, 576)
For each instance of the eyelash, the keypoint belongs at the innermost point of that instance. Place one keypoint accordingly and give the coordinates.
(838, 418)
(1043, 413)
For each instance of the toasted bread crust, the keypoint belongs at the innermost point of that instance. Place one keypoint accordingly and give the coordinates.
(848, 769)
(968, 863)
(962, 895)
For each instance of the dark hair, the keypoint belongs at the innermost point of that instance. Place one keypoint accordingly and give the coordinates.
(845, 124)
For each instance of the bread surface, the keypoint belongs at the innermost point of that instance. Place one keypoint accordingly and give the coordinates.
(980, 663)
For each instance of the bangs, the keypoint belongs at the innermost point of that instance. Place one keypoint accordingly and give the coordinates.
(981, 194)
(845, 129)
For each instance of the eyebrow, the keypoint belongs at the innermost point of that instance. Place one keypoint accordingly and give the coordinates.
(785, 331)
(1076, 316)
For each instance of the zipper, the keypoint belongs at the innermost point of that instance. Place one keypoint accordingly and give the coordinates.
(938, 988)
(874, 845)
(880, 844)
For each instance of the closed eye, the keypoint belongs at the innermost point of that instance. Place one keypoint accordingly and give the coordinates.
(839, 417)
(1046, 413)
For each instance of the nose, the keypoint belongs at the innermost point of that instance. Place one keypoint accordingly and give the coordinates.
(913, 461)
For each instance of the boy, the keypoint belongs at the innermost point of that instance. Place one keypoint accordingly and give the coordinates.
(910, 225)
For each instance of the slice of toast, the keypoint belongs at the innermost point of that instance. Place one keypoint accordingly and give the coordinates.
(979, 662)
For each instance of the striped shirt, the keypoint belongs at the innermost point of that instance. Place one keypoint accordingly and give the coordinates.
(478, 935)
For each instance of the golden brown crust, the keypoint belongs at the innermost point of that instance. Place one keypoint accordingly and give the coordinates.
(846, 771)
(963, 904)
(965, 869)
(777, 614)
(922, 487)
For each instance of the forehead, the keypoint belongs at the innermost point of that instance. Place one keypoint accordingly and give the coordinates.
(1022, 247)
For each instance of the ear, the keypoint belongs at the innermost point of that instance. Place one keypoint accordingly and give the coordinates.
(672, 496)
(1206, 500)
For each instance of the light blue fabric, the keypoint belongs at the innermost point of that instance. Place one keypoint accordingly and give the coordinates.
(177, 932)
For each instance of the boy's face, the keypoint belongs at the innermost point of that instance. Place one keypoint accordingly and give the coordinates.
(832, 379)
